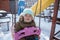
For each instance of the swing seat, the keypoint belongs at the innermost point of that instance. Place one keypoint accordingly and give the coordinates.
(27, 32)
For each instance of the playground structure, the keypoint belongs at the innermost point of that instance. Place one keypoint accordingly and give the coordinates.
(43, 5)
(53, 35)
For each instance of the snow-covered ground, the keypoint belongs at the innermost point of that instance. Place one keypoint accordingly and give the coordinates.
(44, 25)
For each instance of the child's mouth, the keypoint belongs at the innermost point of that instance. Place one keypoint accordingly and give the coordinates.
(27, 19)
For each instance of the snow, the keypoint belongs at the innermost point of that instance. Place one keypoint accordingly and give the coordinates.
(45, 27)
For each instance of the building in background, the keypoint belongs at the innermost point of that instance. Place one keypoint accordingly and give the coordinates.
(29, 3)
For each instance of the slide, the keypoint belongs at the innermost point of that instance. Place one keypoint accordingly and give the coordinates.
(44, 4)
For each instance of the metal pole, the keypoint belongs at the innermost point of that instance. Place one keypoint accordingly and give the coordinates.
(8, 26)
(36, 9)
(56, 5)
(15, 13)
(40, 13)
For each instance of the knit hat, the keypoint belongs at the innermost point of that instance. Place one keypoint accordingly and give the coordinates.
(28, 11)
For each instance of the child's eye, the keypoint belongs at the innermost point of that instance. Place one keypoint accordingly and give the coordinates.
(25, 15)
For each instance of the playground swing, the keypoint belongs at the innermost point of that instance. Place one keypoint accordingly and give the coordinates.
(29, 31)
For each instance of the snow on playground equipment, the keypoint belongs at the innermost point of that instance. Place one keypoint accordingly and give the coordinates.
(2, 13)
(27, 32)
(4, 25)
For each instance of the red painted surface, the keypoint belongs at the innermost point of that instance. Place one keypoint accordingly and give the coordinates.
(4, 5)
(56, 7)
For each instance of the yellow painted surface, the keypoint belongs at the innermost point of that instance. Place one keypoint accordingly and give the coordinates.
(44, 4)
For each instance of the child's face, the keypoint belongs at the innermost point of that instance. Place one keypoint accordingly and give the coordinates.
(28, 18)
